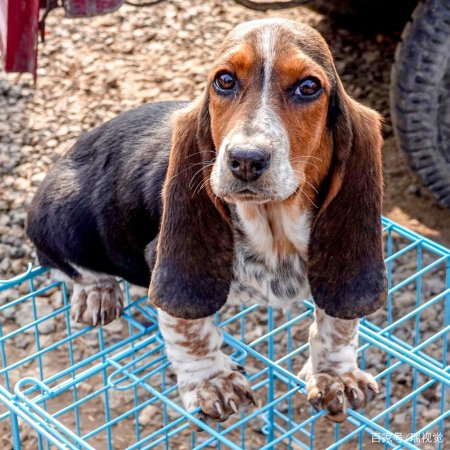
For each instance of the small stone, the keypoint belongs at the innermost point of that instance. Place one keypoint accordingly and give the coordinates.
(147, 415)
(47, 327)
(77, 326)
(112, 83)
(371, 56)
(9, 313)
(90, 338)
(423, 400)
(340, 66)
(126, 47)
(38, 177)
(24, 289)
(427, 315)
(18, 266)
(8, 296)
(434, 285)
(51, 143)
(22, 341)
(431, 414)
(57, 299)
(119, 400)
(400, 418)
(115, 327)
(404, 300)
(85, 387)
(137, 292)
(431, 395)
(25, 316)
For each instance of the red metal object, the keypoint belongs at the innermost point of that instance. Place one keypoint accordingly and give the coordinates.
(18, 34)
(88, 8)
(19, 28)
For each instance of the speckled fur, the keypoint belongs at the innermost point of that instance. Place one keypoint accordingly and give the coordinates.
(260, 273)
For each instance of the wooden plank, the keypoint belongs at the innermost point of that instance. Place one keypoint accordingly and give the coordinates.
(18, 34)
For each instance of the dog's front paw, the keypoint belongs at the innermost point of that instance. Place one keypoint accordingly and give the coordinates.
(97, 304)
(336, 393)
(218, 396)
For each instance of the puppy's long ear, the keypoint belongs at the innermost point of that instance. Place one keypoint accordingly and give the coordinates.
(192, 275)
(345, 265)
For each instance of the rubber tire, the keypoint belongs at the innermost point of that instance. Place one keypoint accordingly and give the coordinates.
(367, 17)
(420, 95)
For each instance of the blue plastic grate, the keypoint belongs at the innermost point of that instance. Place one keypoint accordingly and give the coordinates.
(67, 386)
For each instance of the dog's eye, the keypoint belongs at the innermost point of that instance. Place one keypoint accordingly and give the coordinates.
(225, 81)
(308, 87)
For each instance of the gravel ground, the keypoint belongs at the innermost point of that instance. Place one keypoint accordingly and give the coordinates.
(92, 69)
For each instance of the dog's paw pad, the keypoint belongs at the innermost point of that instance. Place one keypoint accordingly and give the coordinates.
(218, 397)
(336, 393)
(97, 304)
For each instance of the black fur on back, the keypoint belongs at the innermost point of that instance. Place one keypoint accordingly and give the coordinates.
(100, 206)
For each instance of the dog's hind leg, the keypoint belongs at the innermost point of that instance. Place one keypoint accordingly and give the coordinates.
(96, 299)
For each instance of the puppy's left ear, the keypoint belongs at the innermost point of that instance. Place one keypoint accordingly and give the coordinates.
(345, 265)
(192, 274)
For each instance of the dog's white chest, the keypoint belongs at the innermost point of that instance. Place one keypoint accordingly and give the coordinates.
(270, 256)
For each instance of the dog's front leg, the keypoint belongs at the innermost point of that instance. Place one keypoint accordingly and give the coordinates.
(334, 380)
(207, 378)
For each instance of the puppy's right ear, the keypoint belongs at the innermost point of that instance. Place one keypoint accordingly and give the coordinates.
(192, 275)
(346, 270)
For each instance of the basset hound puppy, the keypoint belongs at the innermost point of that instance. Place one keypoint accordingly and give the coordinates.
(266, 189)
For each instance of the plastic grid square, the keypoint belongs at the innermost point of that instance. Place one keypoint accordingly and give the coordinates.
(113, 388)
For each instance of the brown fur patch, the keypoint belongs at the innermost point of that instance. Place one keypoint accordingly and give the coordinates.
(335, 151)
(181, 284)
(195, 342)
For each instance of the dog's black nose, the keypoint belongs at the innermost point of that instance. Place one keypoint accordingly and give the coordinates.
(248, 165)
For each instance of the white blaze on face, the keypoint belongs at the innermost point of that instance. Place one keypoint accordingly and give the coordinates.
(266, 43)
(264, 130)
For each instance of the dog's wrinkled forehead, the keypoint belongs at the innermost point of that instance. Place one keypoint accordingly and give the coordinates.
(270, 38)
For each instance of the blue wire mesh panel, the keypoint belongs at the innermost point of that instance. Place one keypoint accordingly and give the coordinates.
(68, 386)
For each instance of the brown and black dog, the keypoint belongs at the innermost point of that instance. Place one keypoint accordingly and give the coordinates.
(266, 189)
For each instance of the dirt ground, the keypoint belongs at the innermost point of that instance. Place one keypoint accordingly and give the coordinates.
(92, 69)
